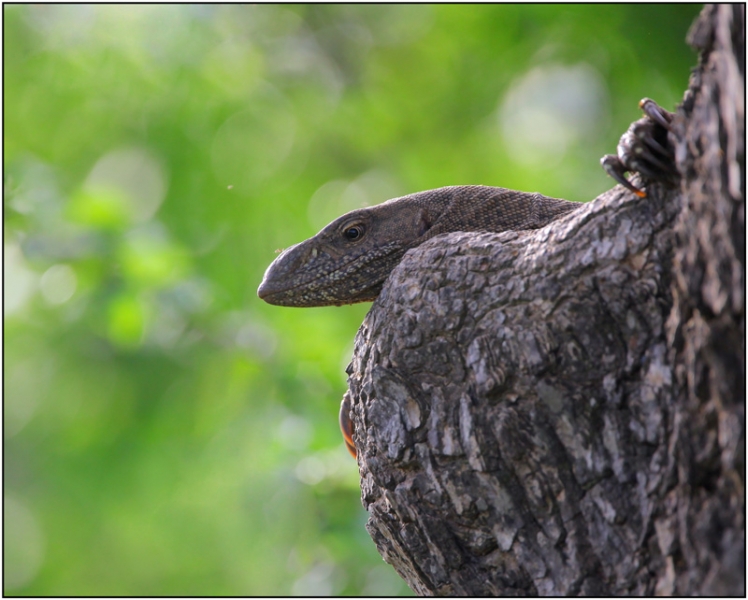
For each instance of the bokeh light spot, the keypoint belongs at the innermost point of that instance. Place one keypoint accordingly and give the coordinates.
(318, 581)
(338, 196)
(58, 284)
(550, 108)
(295, 432)
(23, 544)
(311, 470)
(19, 282)
(252, 144)
(136, 174)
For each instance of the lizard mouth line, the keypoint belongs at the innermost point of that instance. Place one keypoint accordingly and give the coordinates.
(267, 291)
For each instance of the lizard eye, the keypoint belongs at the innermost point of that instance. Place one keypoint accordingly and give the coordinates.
(354, 232)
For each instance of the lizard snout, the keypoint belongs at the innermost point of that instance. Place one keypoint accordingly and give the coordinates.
(292, 268)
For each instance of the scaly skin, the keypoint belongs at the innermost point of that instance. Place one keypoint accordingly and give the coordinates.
(350, 259)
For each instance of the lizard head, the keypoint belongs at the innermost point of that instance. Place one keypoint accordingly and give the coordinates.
(347, 261)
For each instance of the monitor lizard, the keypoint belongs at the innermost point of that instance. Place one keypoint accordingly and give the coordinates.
(349, 260)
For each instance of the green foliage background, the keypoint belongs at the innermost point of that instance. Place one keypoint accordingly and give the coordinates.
(165, 432)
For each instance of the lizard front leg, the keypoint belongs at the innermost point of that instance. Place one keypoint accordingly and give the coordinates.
(645, 149)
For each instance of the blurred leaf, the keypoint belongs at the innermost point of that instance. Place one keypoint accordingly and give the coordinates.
(126, 321)
(99, 208)
(150, 261)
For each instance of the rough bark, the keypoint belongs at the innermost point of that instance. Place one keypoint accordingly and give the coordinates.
(703, 518)
(561, 411)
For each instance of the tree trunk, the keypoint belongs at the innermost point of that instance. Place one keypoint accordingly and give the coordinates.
(561, 411)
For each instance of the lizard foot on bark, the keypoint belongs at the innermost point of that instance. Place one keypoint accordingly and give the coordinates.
(646, 149)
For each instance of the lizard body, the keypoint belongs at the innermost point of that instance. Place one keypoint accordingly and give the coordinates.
(349, 260)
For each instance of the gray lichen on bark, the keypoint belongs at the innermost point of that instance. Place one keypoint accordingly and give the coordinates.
(561, 411)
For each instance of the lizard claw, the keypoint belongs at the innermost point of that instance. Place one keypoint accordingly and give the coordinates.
(655, 112)
(645, 149)
(617, 170)
(346, 425)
